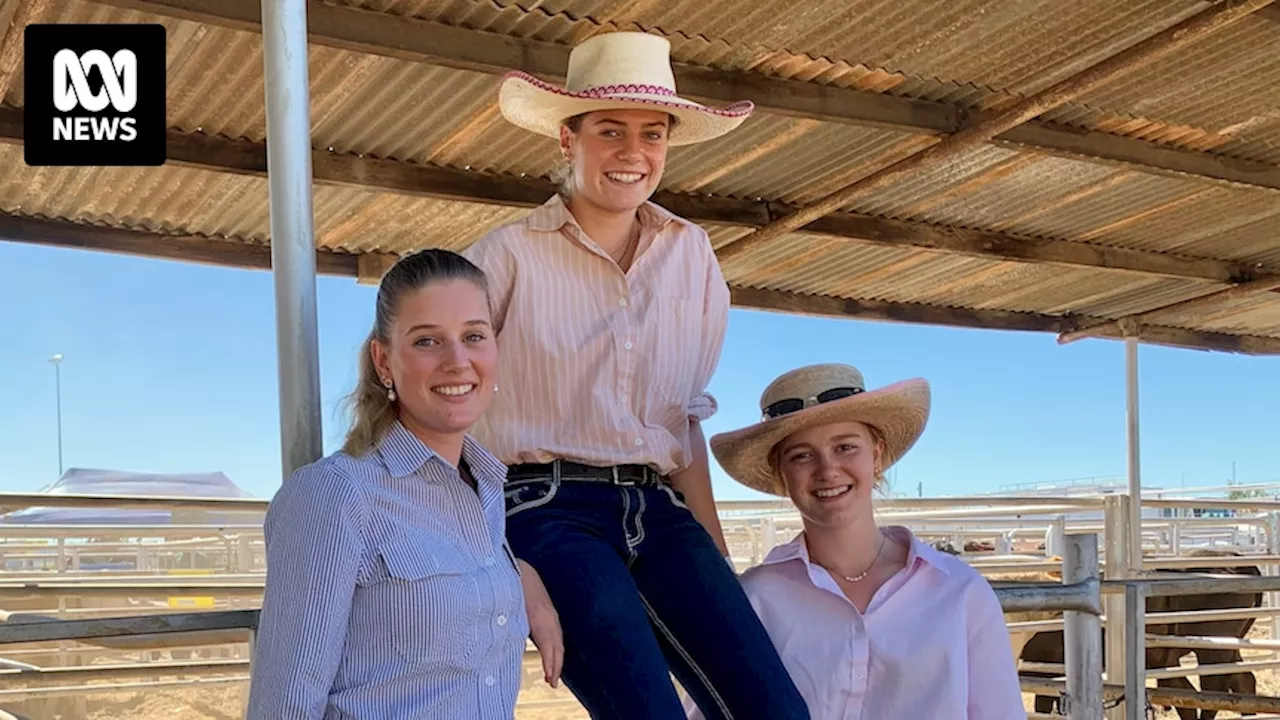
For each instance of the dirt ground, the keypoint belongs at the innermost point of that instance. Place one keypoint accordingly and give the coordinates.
(224, 702)
(537, 700)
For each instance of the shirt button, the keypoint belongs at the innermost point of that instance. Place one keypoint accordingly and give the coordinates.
(502, 620)
(627, 345)
(626, 399)
(488, 562)
(489, 681)
(639, 442)
(622, 302)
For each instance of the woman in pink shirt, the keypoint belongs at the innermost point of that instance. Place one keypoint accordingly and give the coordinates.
(872, 623)
(611, 315)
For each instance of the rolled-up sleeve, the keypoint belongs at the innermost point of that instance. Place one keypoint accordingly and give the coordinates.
(994, 691)
(715, 322)
(314, 532)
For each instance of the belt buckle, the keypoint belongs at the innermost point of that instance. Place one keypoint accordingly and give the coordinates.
(619, 480)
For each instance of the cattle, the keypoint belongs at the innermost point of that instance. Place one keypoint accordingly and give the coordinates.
(1047, 647)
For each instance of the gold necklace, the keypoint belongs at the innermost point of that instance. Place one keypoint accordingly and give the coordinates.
(865, 573)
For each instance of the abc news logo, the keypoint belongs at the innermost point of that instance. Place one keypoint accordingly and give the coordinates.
(95, 95)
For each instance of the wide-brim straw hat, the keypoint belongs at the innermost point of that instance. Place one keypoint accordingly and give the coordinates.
(617, 70)
(898, 411)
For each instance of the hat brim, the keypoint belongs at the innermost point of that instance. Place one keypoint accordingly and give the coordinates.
(898, 411)
(541, 107)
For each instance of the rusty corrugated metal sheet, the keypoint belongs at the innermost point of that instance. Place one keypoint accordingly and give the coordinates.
(810, 263)
(1228, 86)
(1012, 46)
(971, 53)
(1249, 315)
(976, 53)
(173, 199)
(786, 159)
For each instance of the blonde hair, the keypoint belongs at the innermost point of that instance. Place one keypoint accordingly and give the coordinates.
(373, 412)
(877, 440)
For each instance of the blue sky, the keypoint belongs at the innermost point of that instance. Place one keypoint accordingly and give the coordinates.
(171, 367)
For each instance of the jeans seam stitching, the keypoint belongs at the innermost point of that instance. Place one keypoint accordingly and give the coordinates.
(702, 676)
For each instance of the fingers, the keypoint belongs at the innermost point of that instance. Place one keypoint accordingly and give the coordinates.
(558, 663)
(550, 642)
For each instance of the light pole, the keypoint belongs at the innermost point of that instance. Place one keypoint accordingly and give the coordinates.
(56, 360)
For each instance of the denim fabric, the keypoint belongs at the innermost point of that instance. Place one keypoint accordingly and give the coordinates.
(642, 591)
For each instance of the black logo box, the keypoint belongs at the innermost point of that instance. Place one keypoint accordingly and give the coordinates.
(42, 42)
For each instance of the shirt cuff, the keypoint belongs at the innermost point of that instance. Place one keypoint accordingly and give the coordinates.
(703, 407)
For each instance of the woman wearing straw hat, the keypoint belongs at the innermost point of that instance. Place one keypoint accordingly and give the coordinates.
(870, 621)
(611, 314)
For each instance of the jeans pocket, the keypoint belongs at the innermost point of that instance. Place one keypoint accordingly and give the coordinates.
(432, 586)
(677, 498)
(529, 494)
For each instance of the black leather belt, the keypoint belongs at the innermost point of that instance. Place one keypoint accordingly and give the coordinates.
(614, 475)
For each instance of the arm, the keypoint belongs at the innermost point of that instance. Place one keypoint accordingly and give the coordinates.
(694, 482)
(544, 623)
(994, 692)
(314, 546)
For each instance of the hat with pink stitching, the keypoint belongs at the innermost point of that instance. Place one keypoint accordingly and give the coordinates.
(617, 70)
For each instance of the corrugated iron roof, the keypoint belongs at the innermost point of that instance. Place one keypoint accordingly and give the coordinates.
(1217, 96)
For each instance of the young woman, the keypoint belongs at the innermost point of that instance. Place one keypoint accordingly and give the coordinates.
(391, 591)
(611, 313)
(870, 621)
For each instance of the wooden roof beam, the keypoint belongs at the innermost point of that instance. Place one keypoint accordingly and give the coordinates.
(240, 253)
(1161, 314)
(414, 40)
(388, 176)
(991, 124)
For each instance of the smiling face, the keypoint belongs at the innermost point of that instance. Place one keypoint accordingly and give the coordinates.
(830, 471)
(441, 354)
(617, 157)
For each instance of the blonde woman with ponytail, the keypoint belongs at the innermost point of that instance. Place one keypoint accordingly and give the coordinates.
(391, 591)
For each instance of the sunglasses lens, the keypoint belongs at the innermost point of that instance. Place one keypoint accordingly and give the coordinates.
(784, 407)
(837, 393)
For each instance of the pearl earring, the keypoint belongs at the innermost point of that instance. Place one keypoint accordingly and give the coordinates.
(391, 393)
(495, 387)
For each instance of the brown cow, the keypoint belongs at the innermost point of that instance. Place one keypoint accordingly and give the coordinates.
(1047, 647)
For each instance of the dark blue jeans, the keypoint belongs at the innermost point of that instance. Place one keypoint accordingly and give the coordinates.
(642, 590)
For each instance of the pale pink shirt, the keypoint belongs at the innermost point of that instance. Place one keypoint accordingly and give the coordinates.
(932, 645)
(597, 366)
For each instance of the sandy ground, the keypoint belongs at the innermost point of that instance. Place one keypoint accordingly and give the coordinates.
(537, 700)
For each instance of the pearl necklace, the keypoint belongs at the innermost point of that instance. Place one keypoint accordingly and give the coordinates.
(865, 573)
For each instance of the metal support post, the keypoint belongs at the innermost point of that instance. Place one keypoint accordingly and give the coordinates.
(1116, 537)
(293, 253)
(1135, 650)
(1135, 464)
(1082, 633)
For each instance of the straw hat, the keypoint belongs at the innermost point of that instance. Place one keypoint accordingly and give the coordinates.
(618, 70)
(820, 395)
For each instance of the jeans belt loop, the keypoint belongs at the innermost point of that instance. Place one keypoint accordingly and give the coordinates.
(619, 480)
(555, 473)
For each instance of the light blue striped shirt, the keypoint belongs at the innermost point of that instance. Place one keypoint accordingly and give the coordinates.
(391, 592)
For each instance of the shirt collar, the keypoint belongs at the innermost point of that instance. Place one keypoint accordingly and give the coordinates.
(917, 550)
(553, 215)
(404, 454)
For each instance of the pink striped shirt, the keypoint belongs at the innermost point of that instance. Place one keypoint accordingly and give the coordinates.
(597, 366)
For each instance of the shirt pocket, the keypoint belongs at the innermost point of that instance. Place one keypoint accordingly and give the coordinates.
(431, 587)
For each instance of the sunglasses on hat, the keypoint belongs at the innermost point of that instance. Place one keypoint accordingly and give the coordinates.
(786, 406)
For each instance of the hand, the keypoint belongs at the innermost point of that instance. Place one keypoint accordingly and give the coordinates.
(544, 623)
